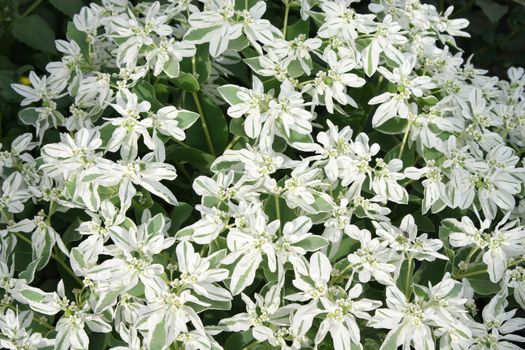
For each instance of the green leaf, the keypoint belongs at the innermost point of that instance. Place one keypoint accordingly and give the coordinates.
(431, 272)
(198, 159)
(407, 157)
(68, 7)
(238, 44)
(244, 272)
(298, 28)
(216, 123)
(28, 116)
(158, 339)
(430, 100)
(98, 340)
(393, 126)
(237, 341)
(203, 64)
(79, 37)
(35, 32)
(187, 82)
(213, 305)
(172, 68)
(237, 127)
(229, 93)
(312, 243)
(198, 34)
(423, 223)
(492, 9)
(179, 214)
(404, 273)
(253, 63)
(146, 92)
(186, 118)
(479, 279)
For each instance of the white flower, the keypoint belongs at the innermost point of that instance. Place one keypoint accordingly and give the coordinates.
(312, 279)
(13, 326)
(409, 322)
(386, 176)
(72, 155)
(371, 259)
(247, 246)
(168, 312)
(288, 112)
(396, 104)
(340, 318)
(406, 239)
(333, 83)
(498, 326)
(342, 21)
(128, 127)
(40, 90)
(133, 255)
(215, 25)
(504, 242)
(13, 193)
(197, 274)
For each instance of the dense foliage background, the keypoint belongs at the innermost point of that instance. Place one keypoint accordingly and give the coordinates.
(28, 29)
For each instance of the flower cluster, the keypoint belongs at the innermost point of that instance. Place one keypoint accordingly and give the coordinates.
(199, 178)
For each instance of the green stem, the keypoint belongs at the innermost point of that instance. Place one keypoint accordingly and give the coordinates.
(66, 267)
(408, 279)
(277, 211)
(23, 238)
(405, 138)
(471, 254)
(341, 275)
(517, 262)
(55, 256)
(31, 8)
(233, 142)
(286, 11)
(203, 122)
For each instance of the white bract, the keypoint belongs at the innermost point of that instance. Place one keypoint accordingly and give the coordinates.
(191, 171)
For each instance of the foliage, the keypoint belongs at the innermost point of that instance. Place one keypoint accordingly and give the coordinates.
(261, 175)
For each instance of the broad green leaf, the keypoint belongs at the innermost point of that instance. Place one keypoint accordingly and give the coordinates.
(187, 82)
(79, 37)
(229, 93)
(158, 338)
(393, 126)
(203, 64)
(312, 243)
(35, 32)
(198, 34)
(186, 118)
(179, 214)
(238, 341)
(28, 116)
(479, 279)
(196, 158)
(172, 68)
(68, 7)
(298, 28)
(237, 127)
(146, 92)
(492, 9)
